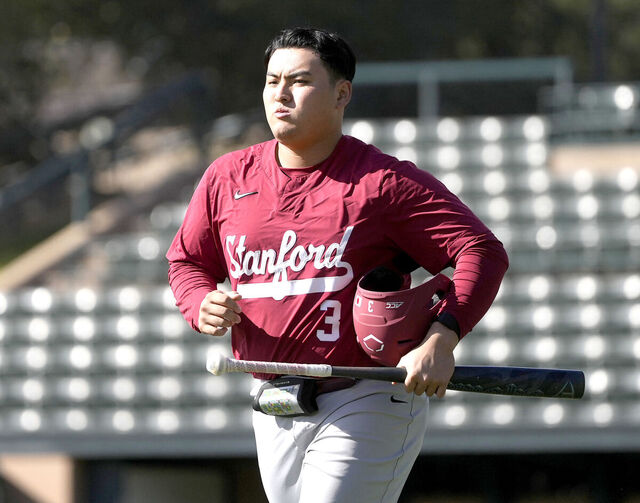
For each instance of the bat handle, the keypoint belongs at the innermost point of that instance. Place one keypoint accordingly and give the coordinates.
(389, 374)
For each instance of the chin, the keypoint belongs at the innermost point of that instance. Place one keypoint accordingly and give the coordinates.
(284, 134)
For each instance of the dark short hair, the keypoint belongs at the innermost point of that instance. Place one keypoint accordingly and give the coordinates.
(330, 47)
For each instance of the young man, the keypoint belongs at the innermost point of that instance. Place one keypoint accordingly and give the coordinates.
(294, 223)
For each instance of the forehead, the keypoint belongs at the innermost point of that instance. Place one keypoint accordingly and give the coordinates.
(294, 59)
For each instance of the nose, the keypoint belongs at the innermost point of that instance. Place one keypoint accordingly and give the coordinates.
(282, 94)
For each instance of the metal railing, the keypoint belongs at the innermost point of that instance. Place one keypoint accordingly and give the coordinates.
(430, 75)
(103, 133)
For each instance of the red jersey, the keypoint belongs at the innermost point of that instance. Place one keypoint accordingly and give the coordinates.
(294, 244)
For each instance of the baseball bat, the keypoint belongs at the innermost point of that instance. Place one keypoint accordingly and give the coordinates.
(514, 381)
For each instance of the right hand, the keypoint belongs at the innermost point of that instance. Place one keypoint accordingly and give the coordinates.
(218, 311)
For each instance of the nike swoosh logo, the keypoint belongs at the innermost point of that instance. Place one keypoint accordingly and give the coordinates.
(238, 195)
(395, 400)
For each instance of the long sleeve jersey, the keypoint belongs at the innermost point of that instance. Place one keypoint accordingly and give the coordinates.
(294, 244)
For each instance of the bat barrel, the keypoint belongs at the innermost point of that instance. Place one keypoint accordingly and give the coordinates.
(519, 381)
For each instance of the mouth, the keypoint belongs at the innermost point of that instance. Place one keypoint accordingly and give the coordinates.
(281, 113)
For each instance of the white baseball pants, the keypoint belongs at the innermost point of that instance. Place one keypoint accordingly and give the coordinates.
(359, 446)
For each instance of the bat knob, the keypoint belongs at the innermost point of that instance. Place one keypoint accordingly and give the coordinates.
(217, 364)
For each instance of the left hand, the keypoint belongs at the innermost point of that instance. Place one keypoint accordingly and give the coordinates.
(430, 365)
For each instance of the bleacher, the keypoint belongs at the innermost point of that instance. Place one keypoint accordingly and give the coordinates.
(103, 364)
(570, 298)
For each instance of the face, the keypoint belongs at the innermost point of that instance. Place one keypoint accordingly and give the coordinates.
(303, 104)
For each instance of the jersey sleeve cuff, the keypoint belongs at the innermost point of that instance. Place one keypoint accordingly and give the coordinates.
(195, 300)
(449, 321)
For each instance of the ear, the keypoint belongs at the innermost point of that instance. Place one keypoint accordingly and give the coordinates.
(343, 93)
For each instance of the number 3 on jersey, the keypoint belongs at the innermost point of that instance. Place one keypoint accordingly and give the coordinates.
(332, 318)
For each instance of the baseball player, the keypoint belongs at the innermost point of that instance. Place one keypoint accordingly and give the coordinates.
(294, 223)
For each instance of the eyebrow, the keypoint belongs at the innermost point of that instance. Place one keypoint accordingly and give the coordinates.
(293, 75)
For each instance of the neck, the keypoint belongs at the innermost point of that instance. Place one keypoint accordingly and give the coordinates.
(306, 157)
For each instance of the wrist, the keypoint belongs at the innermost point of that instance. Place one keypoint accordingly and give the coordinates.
(442, 334)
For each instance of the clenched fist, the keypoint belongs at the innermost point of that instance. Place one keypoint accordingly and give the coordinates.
(218, 311)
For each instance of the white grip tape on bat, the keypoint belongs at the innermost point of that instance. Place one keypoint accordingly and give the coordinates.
(219, 364)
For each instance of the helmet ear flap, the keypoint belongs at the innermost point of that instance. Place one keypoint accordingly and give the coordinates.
(390, 319)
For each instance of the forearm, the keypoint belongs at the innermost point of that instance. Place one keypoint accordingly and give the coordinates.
(477, 277)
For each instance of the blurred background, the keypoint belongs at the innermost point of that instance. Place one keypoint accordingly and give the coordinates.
(109, 113)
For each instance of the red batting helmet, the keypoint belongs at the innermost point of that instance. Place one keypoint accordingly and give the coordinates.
(390, 319)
